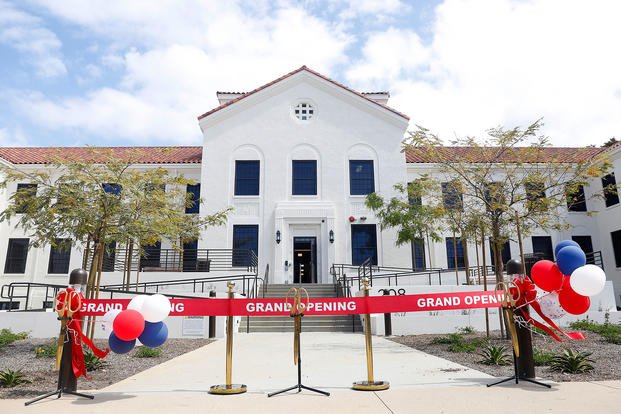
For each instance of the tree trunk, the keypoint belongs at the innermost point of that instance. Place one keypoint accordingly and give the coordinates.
(429, 251)
(455, 259)
(92, 276)
(519, 237)
(484, 279)
(91, 334)
(464, 244)
(87, 252)
(476, 251)
(498, 271)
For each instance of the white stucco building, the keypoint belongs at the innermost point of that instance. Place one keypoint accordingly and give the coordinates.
(295, 158)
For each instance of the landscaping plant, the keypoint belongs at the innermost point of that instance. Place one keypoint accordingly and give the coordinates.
(572, 362)
(92, 362)
(10, 378)
(8, 337)
(494, 355)
(146, 352)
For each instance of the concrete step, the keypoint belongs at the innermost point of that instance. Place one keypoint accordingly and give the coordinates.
(314, 290)
(304, 329)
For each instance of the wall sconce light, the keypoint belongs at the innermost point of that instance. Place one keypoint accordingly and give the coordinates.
(363, 218)
(277, 236)
(331, 236)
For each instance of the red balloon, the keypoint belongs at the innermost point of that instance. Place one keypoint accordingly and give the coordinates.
(571, 301)
(128, 325)
(547, 275)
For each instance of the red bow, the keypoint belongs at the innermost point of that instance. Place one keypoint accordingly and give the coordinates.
(528, 296)
(74, 329)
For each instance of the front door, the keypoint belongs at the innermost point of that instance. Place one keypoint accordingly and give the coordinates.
(304, 260)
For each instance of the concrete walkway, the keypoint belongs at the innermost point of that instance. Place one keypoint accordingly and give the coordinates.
(331, 362)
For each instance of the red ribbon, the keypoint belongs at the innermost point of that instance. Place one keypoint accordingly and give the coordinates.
(528, 296)
(74, 329)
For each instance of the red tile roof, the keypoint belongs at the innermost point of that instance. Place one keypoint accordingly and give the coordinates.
(303, 68)
(140, 155)
(518, 154)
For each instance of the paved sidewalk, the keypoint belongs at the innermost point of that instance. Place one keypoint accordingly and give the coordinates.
(331, 362)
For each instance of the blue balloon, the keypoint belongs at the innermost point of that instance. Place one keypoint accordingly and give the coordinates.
(154, 334)
(569, 258)
(119, 346)
(562, 244)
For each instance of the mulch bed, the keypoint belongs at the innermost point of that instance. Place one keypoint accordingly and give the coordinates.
(606, 356)
(40, 370)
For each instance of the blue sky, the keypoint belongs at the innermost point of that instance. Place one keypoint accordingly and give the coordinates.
(80, 72)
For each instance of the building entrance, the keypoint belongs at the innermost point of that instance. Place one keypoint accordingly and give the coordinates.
(304, 260)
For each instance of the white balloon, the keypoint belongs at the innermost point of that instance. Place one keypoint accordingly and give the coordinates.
(155, 308)
(137, 302)
(588, 280)
(550, 306)
(107, 320)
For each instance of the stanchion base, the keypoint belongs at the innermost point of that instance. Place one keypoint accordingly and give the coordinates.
(371, 386)
(59, 393)
(228, 389)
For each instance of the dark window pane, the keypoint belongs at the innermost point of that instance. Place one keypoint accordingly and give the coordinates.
(190, 256)
(453, 248)
(245, 238)
(151, 255)
(16, 256)
(542, 247)
(304, 177)
(195, 191)
(611, 192)
(576, 201)
(414, 196)
(363, 243)
(361, 177)
(418, 254)
(586, 244)
(451, 196)
(109, 257)
(112, 188)
(59, 257)
(247, 177)
(616, 246)
(23, 195)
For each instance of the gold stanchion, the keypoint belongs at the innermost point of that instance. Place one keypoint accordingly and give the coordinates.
(369, 384)
(229, 388)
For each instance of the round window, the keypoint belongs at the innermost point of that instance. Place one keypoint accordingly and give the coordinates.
(304, 111)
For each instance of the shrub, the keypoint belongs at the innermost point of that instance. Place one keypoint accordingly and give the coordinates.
(457, 343)
(542, 358)
(572, 362)
(466, 330)
(92, 362)
(8, 337)
(10, 378)
(46, 350)
(146, 352)
(610, 332)
(494, 355)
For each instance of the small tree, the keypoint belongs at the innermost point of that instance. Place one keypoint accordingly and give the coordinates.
(102, 198)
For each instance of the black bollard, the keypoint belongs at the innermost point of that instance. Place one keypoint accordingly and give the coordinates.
(212, 319)
(387, 317)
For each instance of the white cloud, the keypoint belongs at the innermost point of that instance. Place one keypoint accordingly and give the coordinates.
(12, 138)
(506, 62)
(26, 34)
(172, 79)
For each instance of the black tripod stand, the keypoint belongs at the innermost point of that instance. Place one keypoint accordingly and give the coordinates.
(517, 377)
(299, 385)
(67, 382)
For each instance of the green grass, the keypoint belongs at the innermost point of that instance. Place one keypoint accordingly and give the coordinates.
(8, 337)
(146, 352)
(609, 331)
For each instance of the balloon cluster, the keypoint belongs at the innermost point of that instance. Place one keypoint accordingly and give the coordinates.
(570, 281)
(142, 320)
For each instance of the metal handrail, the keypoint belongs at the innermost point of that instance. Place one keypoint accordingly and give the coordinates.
(181, 260)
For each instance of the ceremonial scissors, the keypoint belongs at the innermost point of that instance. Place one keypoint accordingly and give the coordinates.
(66, 303)
(297, 311)
(510, 296)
